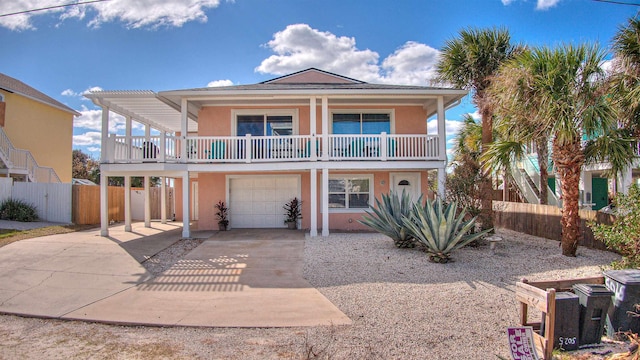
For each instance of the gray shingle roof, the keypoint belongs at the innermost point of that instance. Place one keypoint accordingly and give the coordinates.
(16, 86)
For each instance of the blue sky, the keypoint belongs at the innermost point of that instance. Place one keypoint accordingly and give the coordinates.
(175, 44)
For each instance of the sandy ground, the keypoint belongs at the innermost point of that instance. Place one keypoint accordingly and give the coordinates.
(402, 306)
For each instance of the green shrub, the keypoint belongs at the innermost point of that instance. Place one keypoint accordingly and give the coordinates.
(439, 229)
(386, 218)
(17, 210)
(624, 235)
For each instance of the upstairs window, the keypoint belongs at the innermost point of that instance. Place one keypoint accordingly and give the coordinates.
(361, 123)
(264, 125)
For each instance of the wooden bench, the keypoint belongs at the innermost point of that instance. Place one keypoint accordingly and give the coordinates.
(541, 295)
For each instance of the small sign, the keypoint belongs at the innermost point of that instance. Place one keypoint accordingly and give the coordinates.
(521, 346)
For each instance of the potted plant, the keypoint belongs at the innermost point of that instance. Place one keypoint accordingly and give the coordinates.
(222, 214)
(294, 212)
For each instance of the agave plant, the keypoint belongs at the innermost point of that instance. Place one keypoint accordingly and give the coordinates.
(440, 229)
(386, 218)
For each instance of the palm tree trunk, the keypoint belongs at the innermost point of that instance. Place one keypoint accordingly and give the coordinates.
(569, 159)
(486, 188)
(543, 164)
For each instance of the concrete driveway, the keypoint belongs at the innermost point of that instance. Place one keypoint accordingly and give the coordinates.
(234, 279)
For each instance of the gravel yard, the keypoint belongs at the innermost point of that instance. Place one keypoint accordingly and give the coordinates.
(402, 307)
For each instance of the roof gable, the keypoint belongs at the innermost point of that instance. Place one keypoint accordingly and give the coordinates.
(313, 76)
(16, 86)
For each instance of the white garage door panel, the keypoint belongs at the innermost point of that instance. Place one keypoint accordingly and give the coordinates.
(256, 202)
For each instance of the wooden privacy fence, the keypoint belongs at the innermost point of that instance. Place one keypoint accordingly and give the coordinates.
(86, 204)
(544, 221)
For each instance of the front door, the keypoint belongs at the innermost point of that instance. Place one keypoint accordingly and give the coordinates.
(408, 182)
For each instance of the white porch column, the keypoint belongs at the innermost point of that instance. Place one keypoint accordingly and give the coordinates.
(104, 205)
(147, 202)
(186, 216)
(325, 202)
(442, 131)
(586, 185)
(442, 178)
(626, 179)
(127, 203)
(184, 130)
(312, 128)
(314, 203)
(325, 132)
(442, 148)
(105, 134)
(163, 200)
(127, 133)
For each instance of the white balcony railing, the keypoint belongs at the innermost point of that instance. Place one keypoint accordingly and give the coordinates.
(250, 149)
(22, 162)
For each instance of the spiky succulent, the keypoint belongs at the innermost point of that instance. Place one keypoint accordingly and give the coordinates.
(386, 217)
(440, 229)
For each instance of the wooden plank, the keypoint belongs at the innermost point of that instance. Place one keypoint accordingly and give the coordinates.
(566, 284)
(540, 343)
(531, 296)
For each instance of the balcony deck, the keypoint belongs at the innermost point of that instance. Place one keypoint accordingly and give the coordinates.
(265, 149)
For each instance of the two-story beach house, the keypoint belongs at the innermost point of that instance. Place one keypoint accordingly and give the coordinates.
(334, 142)
(36, 134)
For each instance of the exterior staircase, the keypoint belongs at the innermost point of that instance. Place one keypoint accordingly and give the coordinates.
(21, 165)
(526, 176)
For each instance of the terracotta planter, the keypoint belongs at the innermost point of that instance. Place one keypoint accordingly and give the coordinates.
(292, 225)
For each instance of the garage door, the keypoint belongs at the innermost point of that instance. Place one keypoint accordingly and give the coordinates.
(256, 202)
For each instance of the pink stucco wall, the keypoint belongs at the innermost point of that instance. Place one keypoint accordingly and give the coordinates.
(217, 121)
(212, 188)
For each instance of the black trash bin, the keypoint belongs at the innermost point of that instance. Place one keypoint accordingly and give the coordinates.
(625, 285)
(567, 320)
(594, 304)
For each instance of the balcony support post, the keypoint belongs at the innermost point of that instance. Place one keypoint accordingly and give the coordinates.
(127, 203)
(312, 129)
(442, 131)
(184, 131)
(186, 215)
(325, 131)
(104, 205)
(314, 203)
(325, 202)
(163, 200)
(147, 201)
(105, 134)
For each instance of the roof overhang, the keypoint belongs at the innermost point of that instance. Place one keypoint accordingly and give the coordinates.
(162, 110)
(425, 97)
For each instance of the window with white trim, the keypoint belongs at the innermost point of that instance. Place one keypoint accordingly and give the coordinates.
(350, 192)
(348, 123)
(264, 122)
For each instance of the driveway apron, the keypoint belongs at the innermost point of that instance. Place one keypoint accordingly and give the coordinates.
(240, 278)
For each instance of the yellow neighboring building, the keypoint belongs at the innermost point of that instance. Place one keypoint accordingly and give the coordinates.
(36, 134)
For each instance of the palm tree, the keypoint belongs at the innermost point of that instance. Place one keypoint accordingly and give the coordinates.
(626, 76)
(562, 91)
(469, 61)
(517, 130)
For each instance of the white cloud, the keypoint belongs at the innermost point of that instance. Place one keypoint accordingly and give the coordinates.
(546, 4)
(133, 14)
(299, 46)
(88, 138)
(412, 64)
(71, 93)
(540, 4)
(452, 127)
(217, 83)
(91, 119)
